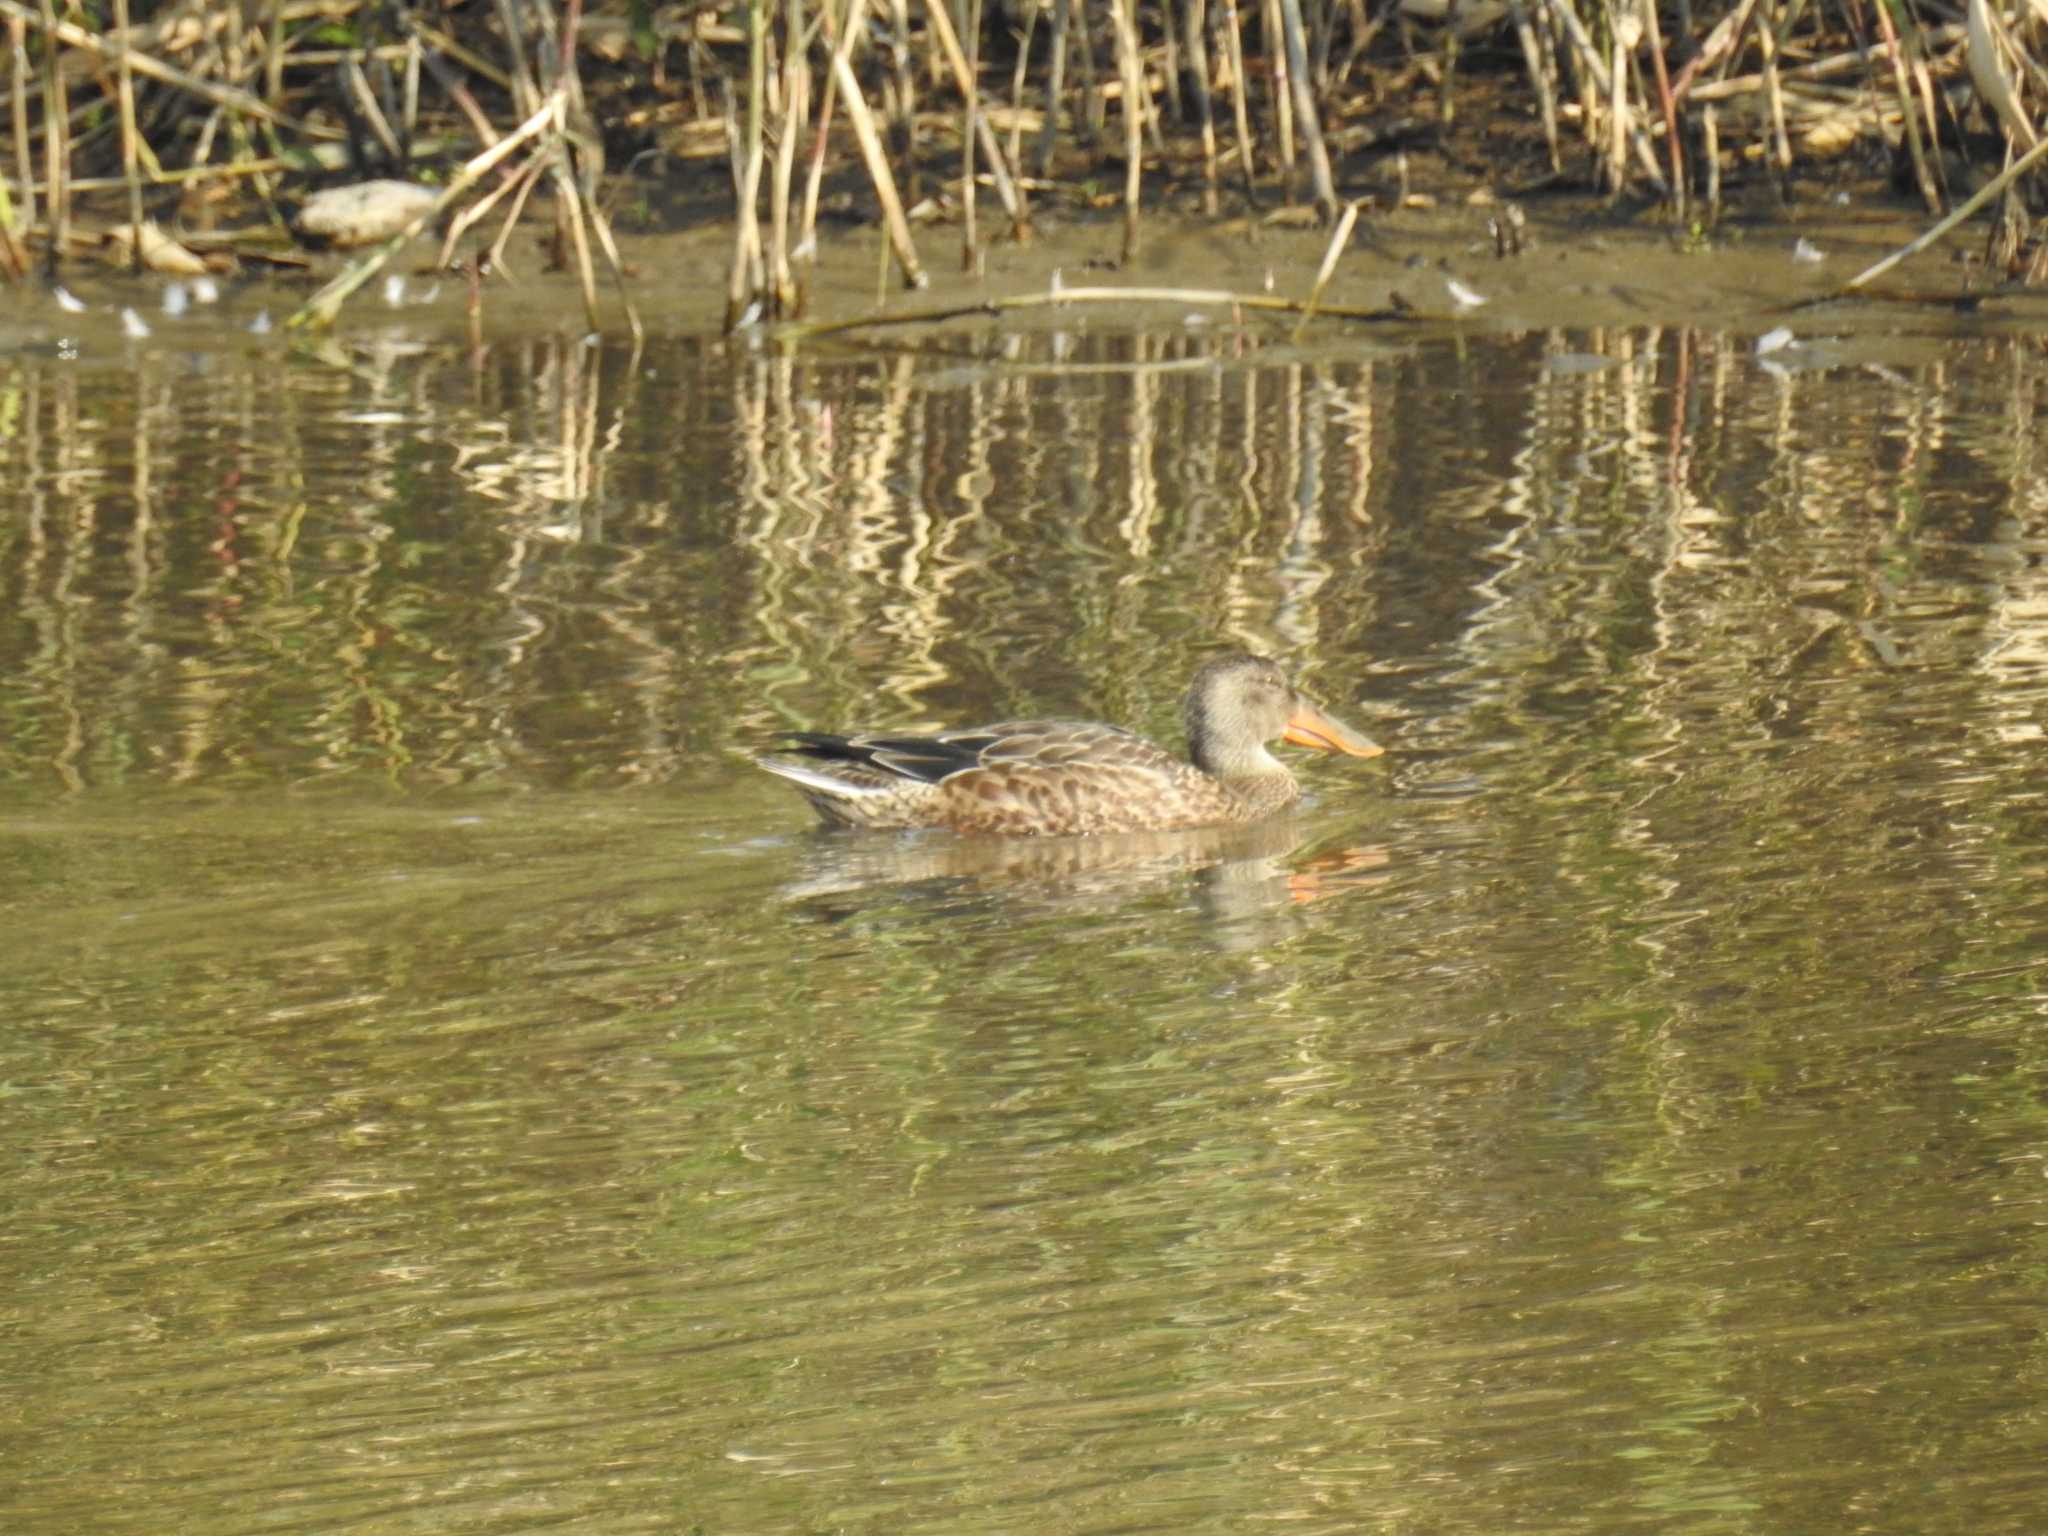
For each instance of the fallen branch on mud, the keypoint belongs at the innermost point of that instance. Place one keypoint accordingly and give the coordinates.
(1186, 298)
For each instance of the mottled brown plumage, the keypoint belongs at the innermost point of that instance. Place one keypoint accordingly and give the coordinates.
(1023, 778)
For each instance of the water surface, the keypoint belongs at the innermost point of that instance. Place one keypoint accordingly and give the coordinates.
(448, 1088)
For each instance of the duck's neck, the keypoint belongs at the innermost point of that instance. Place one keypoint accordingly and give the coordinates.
(1259, 795)
(1233, 762)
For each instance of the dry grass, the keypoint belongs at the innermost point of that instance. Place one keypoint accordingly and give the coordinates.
(193, 105)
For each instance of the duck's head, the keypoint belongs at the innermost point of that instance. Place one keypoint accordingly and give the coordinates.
(1238, 703)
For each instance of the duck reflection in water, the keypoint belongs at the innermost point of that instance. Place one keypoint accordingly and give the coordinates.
(1234, 873)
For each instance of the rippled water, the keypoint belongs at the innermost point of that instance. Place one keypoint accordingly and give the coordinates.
(447, 1087)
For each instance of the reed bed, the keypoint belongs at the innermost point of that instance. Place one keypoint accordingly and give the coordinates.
(200, 122)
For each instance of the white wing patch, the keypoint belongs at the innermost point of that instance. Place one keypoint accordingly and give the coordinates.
(831, 778)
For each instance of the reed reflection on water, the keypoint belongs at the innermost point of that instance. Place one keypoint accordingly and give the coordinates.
(448, 1082)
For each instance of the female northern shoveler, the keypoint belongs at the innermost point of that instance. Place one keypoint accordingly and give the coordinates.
(1054, 777)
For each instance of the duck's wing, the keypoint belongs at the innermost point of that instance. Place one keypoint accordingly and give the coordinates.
(1016, 745)
(1066, 777)
(1024, 745)
(921, 759)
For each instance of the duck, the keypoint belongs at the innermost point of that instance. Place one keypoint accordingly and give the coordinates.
(1064, 778)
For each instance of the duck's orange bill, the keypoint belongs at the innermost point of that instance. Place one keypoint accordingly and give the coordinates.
(1310, 727)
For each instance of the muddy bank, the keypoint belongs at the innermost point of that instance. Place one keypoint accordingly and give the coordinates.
(1414, 270)
(1579, 265)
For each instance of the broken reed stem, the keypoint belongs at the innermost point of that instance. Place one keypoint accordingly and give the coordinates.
(321, 309)
(894, 223)
(479, 210)
(523, 184)
(1985, 194)
(1339, 238)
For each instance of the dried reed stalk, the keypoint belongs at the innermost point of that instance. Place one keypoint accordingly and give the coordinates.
(1094, 115)
(56, 143)
(1339, 238)
(1774, 96)
(520, 181)
(1132, 66)
(1055, 80)
(893, 221)
(1195, 26)
(806, 248)
(972, 107)
(1015, 148)
(1320, 179)
(273, 53)
(24, 154)
(903, 120)
(1673, 146)
(964, 80)
(1599, 84)
(1710, 147)
(796, 92)
(744, 282)
(1240, 109)
(1280, 100)
(522, 186)
(1539, 79)
(131, 169)
(1916, 149)
(321, 309)
(1617, 116)
(1984, 195)
(147, 64)
(372, 113)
